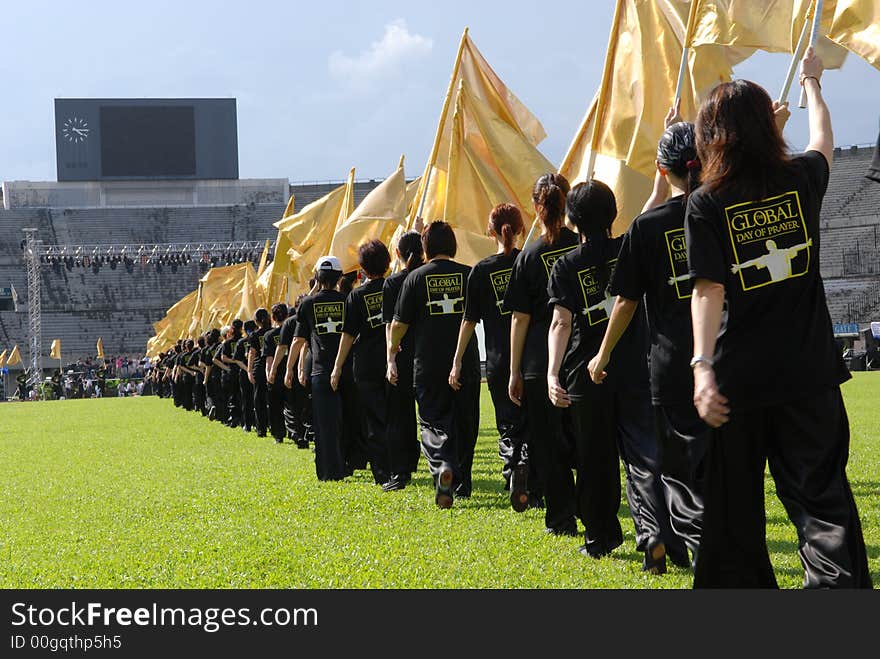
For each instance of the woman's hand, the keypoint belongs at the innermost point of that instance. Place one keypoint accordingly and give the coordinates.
(334, 379)
(455, 376)
(596, 367)
(558, 395)
(674, 115)
(302, 378)
(251, 377)
(712, 407)
(811, 65)
(288, 379)
(391, 372)
(781, 113)
(515, 388)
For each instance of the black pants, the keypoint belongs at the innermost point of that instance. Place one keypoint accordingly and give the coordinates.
(511, 425)
(261, 402)
(806, 443)
(356, 455)
(640, 454)
(275, 403)
(403, 434)
(550, 455)
(199, 395)
(229, 381)
(216, 396)
(683, 439)
(445, 421)
(328, 417)
(373, 412)
(246, 393)
(185, 388)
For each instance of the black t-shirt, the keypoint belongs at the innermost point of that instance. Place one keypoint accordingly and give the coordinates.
(227, 350)
(776, 341)
(486, 286)
(270, 341)
(527, 293)
(288, 331)
(241, 350)
(432, 300)
(579, 282)
(653, 263)
(390, 293)
(255, 342)
(320, 318)
(363, 320)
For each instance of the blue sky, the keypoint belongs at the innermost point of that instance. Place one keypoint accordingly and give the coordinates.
(325, 86)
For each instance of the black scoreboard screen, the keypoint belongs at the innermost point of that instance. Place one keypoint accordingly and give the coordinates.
(147, 138)
(148, 141)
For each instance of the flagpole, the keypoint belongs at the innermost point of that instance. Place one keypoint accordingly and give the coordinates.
(686, 48)
(814, 36)
(426, 179)
(795, 57)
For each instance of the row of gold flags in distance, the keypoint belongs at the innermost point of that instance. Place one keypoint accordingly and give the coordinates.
(485, 148)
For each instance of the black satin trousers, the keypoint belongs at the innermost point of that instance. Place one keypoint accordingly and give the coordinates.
(511, 425)
(806, 444)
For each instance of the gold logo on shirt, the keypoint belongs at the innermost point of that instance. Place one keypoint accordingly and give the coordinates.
(678, 263)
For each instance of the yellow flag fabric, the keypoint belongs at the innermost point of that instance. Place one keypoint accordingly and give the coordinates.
(485, 85)
(100, 347)
(224, 293)
(55, 350)
(376, 217)
(645, 51)
(14, 357)
(770, 25)
(174, 326)
(263, 258)
(2, 359)
(490, 162)
(856, 26)
(311, 231)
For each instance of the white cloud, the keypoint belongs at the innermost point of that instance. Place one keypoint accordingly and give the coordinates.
(386, 56)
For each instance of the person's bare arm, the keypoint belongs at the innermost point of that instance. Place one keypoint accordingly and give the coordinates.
(345, 343)
(276, 361)
(621, 317)
(290, 371)
(519, 328)
(252, 355)
(707, 305)
(395, 336)
(301, 366)
(821, 132)
(557, 342)
(465, 333)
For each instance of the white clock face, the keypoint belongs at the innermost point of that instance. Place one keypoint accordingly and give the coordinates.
(75, 129)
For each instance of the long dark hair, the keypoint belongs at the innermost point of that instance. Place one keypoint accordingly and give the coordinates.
(591, 207)
(410, 248)
(549, 199)
(738, 142)
(677, 154)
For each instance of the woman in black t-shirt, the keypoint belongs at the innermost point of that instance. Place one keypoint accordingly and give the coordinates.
(526, 297)
(486, 286)
(402, 435)
(652, 265)
(753, 248)
(614, 418)
(257, 370)
(275, 386)
(365, 331)
(432, 300)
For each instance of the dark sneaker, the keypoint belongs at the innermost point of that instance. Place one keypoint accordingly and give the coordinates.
(443, 494)
(519, 488)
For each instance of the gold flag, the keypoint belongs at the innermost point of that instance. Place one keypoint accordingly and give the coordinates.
(100, 346)
(219, 296)
(856, 26)
(174, 326)
(770, 25)
(55, 350)
(485, 86)
(271, 288)
(376, 217)
(2, 359)
(263, 258)
(311, 230)
(490, 163)
(626, 118)
(14, 356)
(282, 244)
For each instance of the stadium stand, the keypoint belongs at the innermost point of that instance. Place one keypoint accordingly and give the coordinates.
(80, 305)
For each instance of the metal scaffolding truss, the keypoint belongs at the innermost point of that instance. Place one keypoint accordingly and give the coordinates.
(154, 251)
(35, 282)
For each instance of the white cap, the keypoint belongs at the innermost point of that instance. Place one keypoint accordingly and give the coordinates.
(328, 263)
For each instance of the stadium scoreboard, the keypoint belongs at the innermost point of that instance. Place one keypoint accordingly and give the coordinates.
(143, 139)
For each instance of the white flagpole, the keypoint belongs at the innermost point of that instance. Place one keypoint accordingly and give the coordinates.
(795, 58)
(814, 36)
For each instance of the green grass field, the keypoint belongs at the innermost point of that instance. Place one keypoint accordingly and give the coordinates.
(134, 493)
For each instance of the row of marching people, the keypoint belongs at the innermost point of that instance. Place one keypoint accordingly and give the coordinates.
(639, 351)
